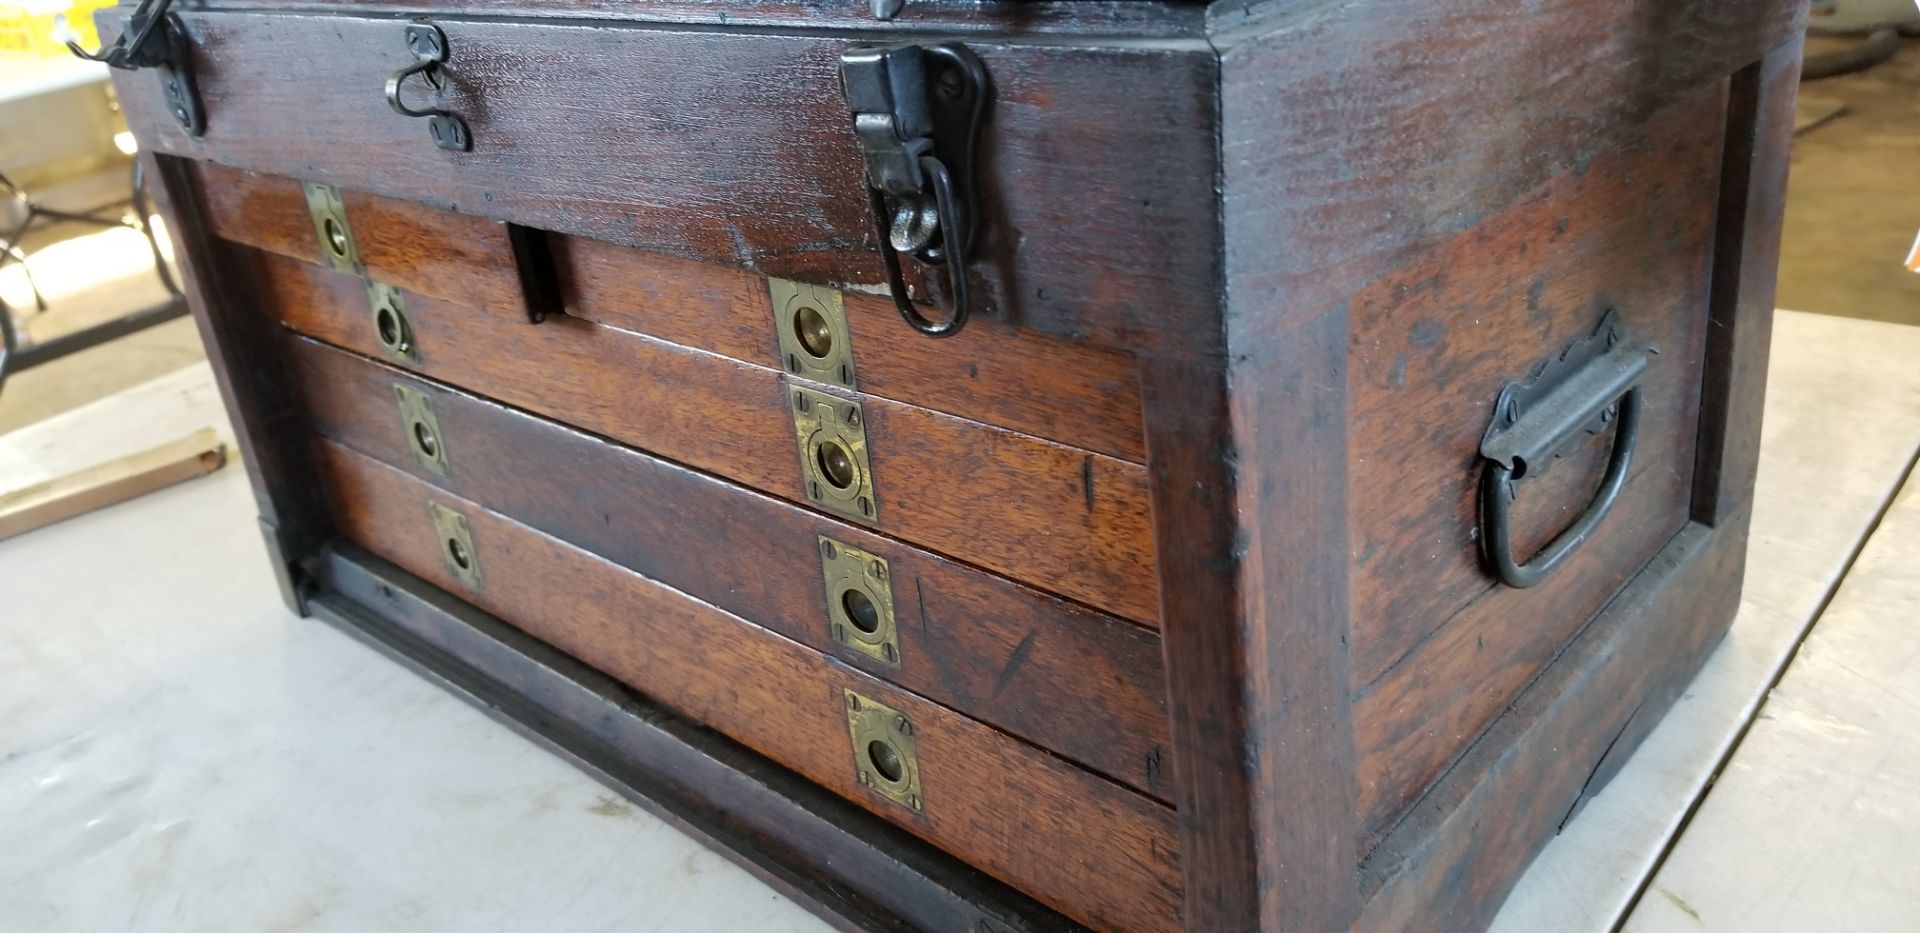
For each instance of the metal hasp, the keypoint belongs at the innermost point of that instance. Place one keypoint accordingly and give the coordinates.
(886, 759)
(1591, 385)
(429, 47)
(155, 38)
(917, 111)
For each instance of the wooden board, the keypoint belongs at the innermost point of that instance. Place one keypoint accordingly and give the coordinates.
(112, 481)
(1843, 416)
(984, 793)
(1086, 685)
(1066, 520)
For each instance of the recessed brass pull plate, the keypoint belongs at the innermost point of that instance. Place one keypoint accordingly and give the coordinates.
(391, 328)
(329, 215)
(860, 601)
(422, 430)
(833, 453)
(456, 544)
(811, 324)
(885, 758)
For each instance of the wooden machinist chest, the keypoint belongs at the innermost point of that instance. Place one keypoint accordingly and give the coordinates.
(1009, 466)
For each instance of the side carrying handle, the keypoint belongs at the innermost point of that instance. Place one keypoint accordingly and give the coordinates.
(429, 47)
(1592, 384)
(917, 111)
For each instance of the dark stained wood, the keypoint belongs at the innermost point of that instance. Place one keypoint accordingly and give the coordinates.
(1019, 380)
(457, 257)
(855, 870)
(736, 148)
(1469, 841)
(1631, 230)
(1248, 505)
(1181, 18)
(1085, 685)
(1065, 520)
(1324, 233)
(243, 349)
(990, 799)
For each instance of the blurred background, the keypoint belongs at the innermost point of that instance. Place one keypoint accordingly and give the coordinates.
(1853, 212)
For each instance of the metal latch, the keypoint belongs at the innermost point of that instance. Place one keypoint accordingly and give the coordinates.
(917, 112)
(429, 47)
(155, 38)
(886, 759)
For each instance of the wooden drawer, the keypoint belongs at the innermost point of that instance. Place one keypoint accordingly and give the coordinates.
(1085, 685)
(1067, 520)
(1111, 860)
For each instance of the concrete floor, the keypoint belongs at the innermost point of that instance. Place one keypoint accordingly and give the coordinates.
(1853, 213)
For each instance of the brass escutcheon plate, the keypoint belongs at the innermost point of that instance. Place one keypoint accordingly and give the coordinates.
(329, 215)
(422, 430)
(834, 467)
(391, 328)
(811, 325)
(456, 544)
(860, 601)
(885, 758)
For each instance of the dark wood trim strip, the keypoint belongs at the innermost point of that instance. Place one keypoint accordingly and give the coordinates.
(267, 418)
(848, 866)
(1746, 263)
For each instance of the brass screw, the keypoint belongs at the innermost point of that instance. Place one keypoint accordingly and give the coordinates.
(892, 656)
(900, 723)
(826, 547)
(853, 702)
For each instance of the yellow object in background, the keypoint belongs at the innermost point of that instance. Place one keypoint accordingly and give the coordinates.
(41, 28)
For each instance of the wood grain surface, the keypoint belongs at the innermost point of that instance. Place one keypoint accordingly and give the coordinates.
(737, 148)
(1095, 851)
(1068, 521)
(1020, 380)
(1085, 685)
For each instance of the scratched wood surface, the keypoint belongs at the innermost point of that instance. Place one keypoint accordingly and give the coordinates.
(1065, 520)
(991, 373)
(1001, 804)
(1086, 685)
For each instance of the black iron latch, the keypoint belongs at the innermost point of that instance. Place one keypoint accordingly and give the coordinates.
(154, 38)
(429, 47)
(917, 112)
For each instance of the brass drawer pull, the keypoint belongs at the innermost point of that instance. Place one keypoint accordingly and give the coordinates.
(429, 47)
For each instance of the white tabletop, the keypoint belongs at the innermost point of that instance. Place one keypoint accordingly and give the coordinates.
(179, 753)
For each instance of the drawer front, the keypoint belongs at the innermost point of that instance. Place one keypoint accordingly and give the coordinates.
(1019, 380)
(1096, 163)
(1067, 520)
(1085, 685)
(1441, 647)
(1091, 849)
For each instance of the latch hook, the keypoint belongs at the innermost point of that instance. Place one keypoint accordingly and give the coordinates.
(429, 47)
(919, 134)
(155, 38)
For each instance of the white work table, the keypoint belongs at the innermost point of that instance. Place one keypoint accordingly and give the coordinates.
(177, 752)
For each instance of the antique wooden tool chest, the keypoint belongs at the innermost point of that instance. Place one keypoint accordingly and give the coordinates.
(1009, 466)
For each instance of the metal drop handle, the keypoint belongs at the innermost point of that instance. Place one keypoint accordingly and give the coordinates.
(1592, 385)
